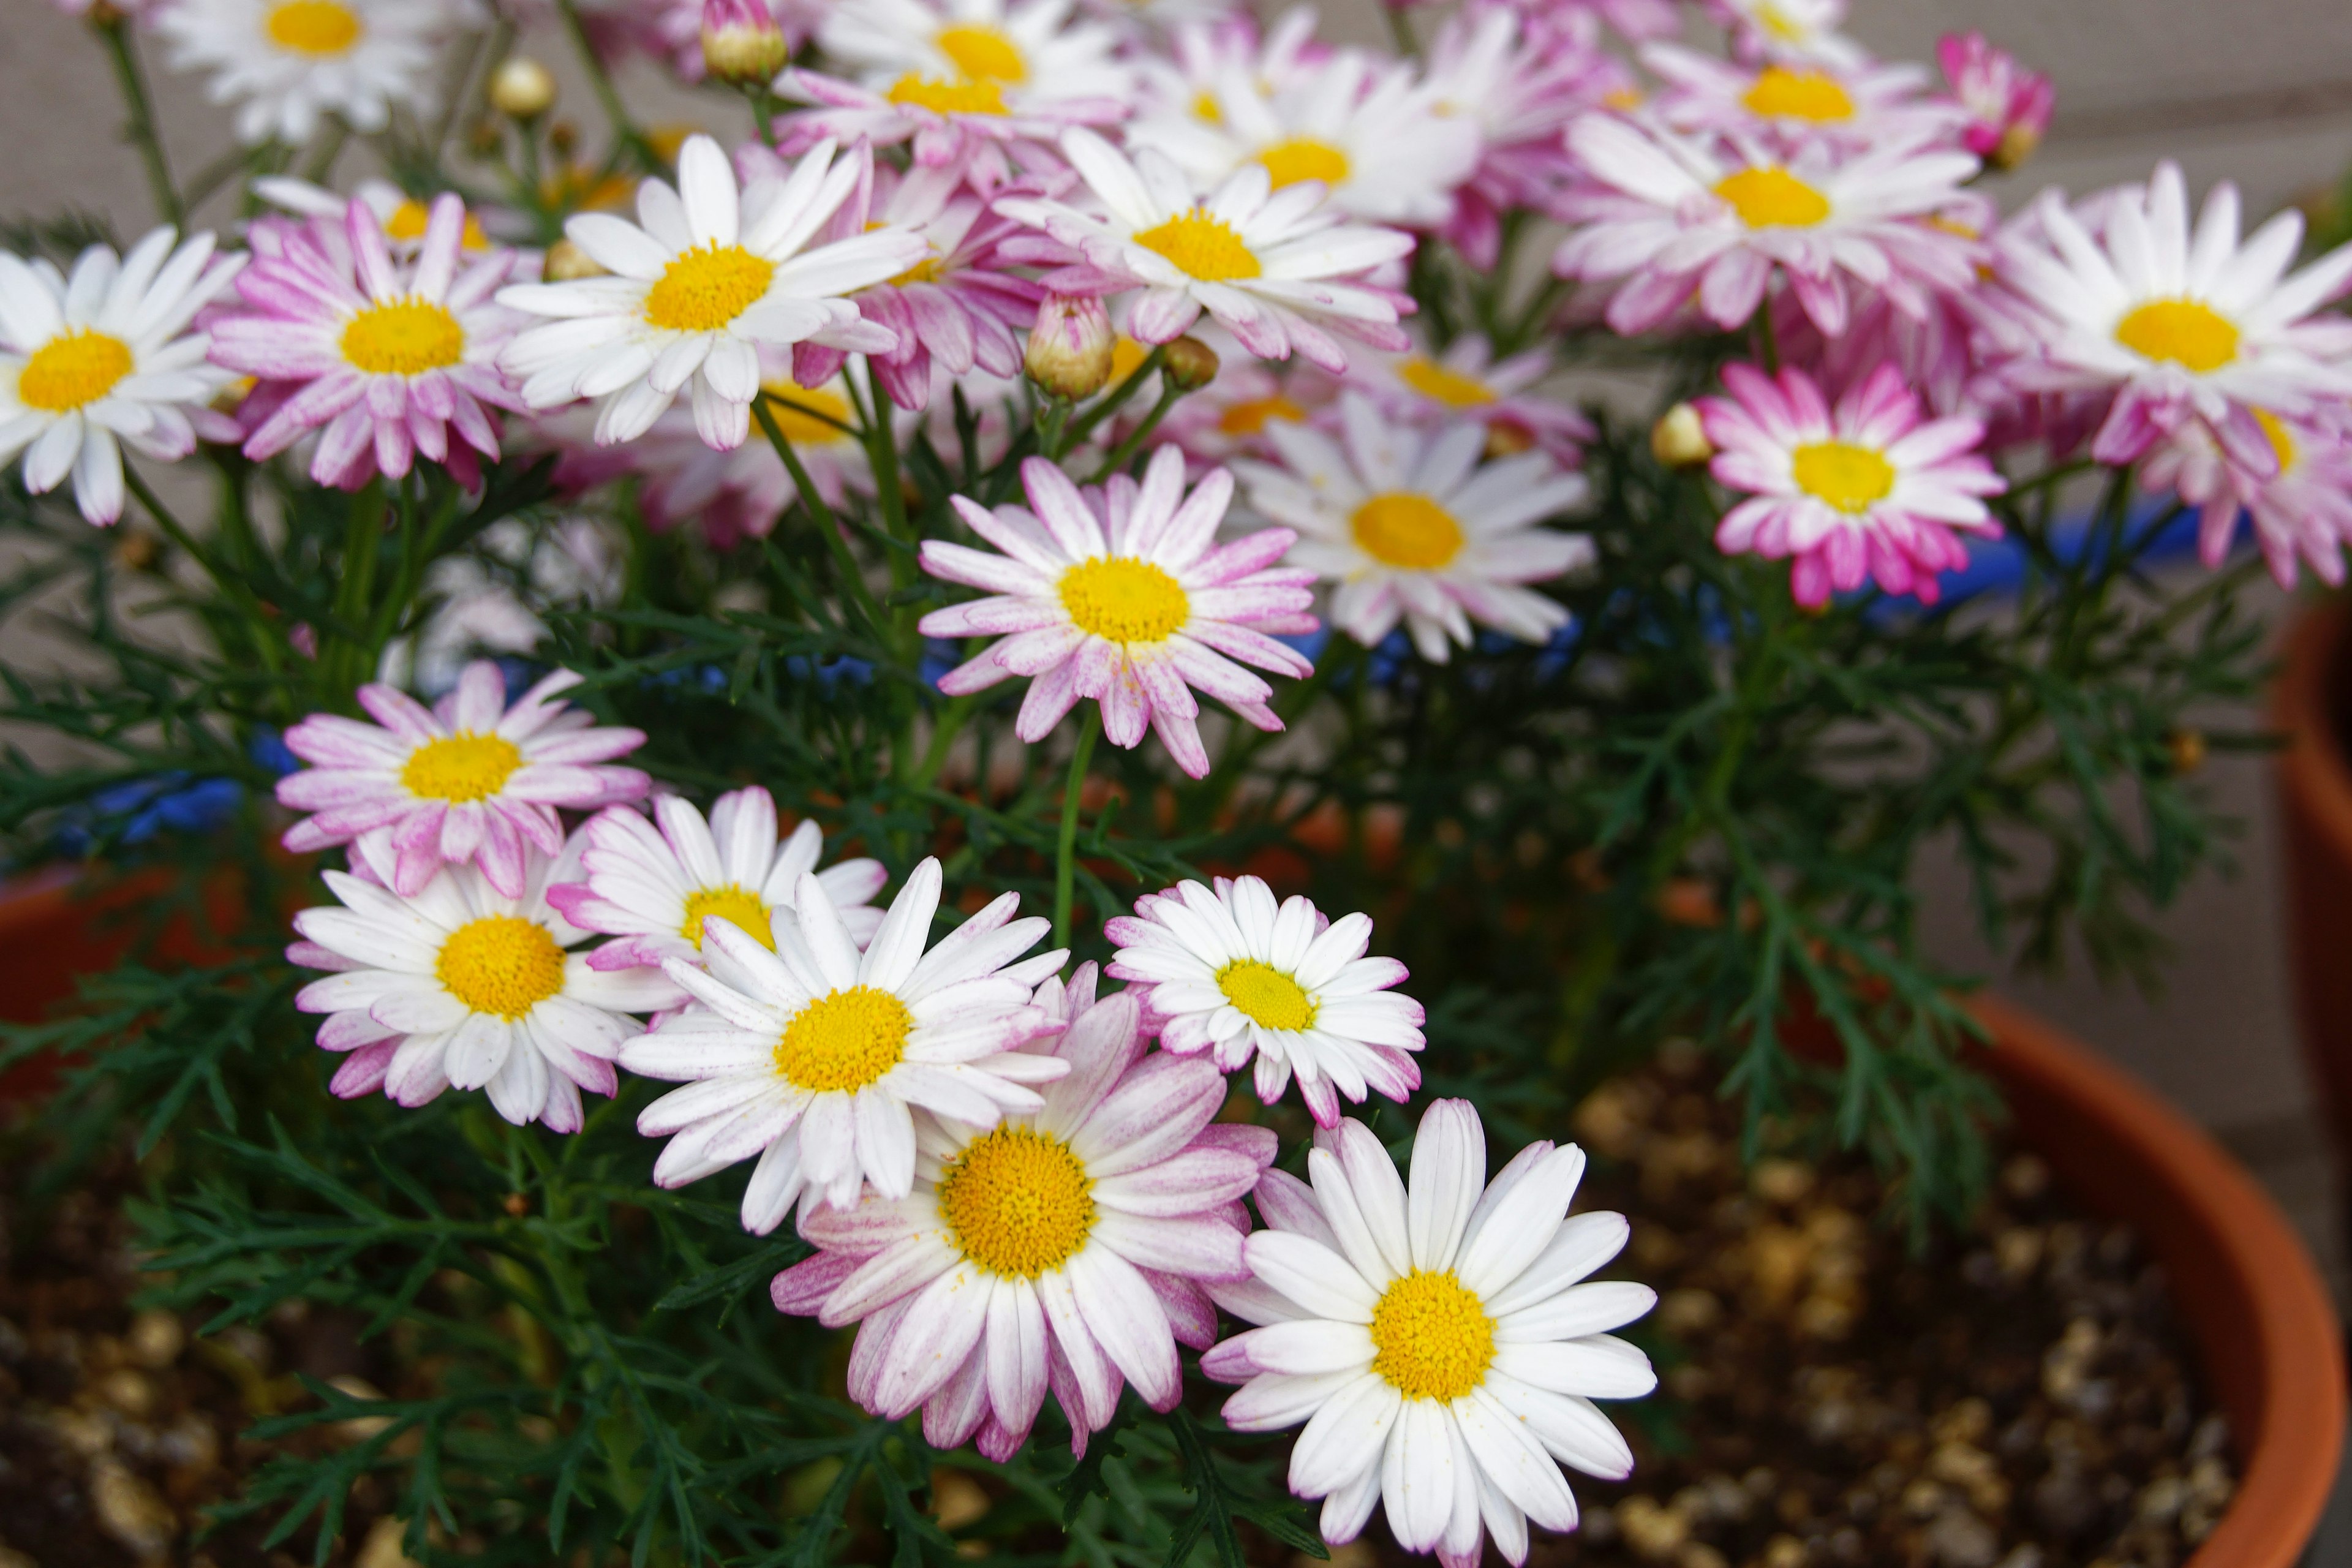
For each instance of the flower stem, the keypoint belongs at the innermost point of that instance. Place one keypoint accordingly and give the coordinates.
(616, 113)
(822, 514)
(1169, 393)
(1119, 397)
(141, 128)
(1768, 340)
(1066, 859)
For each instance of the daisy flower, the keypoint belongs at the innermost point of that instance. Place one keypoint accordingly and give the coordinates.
(103, 357)
(285, 63)
(1412, 526)
(1226, 971)
(1060, 1247)
(1870, 486)
(467, 779)
(2301, 510)
(652, 884)
(1278, 270)
(813, 1055)
(458, 984)
(1674, 215)
(1228, 418)
(1802, 30)
(2007, 107)
(709, 274)
(1466, 382)
(385, 360)
(2178, 324)
(401, 216)
(1123, 596)
(1438, 1341)
(1790, 104)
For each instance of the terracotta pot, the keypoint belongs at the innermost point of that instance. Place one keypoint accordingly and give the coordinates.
(2315, 781)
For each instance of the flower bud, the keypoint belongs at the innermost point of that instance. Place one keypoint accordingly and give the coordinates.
(1679, 440)
(2017, 143)
(742, 42)
(1070, 347)
(521, 87)
(1190, 364)
(566, 262)
(2186, 747)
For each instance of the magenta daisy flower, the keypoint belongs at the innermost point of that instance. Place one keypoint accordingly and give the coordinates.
(469, 779)
(1117, 595)
(1868, 486)
(2303, 510)
(2008, 107)
(386, 359)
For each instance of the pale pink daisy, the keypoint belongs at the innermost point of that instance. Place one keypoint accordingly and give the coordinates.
(2303, 510)
(1802, 30)
(1792, 104)
(2006, 106)
(1062, 1248)
(1467, 381)
(469, 779)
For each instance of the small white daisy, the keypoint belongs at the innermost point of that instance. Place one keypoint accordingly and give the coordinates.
(1437, 1341)
(285, 63)
(708, 275)
(1228, 971)
(105, 356)
(1804, 30)
(813, 1055)
(1413, 527)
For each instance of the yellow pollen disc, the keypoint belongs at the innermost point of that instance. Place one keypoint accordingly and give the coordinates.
(1431, 1338)
(69, 371)
(808, 416)
(1017, 1201)
(314, 26)
(731, 902)
(843, 1040)
(1265, 995)
(1123, 600)
(927, 270)
(2185, 331)
(1205, 108)
(1253, 416)
(1402, 529)
(1200, 246)
(982, 53)
(1127, 357)
(1622, 99)
(1773, 198)
(2282, 440)
(1304, 158)
(1780, 93)
(704, 289)
(408, 220)
(403, 337)
(463, 767)
(1439, 384)
(948, 97)
(1848, 477)
(500, 964)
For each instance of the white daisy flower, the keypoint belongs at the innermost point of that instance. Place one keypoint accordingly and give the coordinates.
(105, 356)
(708, 275)
(285, 63)
(1790, 30)
(1277, 270)
(1412, 526)
(460, 985)
(1228, 971)
(812, 1056)
(1436, 1341)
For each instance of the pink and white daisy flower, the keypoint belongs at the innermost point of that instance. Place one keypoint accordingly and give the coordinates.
(1123, 596)
(1467, 381)
(2300, 511)
(458, 984)
(469, 779)
(1439, 1342)
(1228, 972)
(1802, 30)
(402, 217)
(1870, 487)
(1787, 105)
(386, 359)
(1228, 418)
(1060, 1249)
(813, 1055)
(2006, 106)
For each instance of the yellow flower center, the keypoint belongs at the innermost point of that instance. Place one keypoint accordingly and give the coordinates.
(1850, 478)
(1250, 416)
(314, 26)
(2282, 440)
(1773, 198)
(1304, 158)
(1127, 357)
(843, 1040)
(2185, 331)
(1200, 246)
(732, 902)
(1265, 995)
(500, 964)
(403, 337)
(927, 270)
(69, 371)
(463, 767)
(1123, 600)
(1780, 93)
(408, 220)
(704, 289)
(1439, 384)
(808, 416)
(1431, 1338)
(1402, 529)
(1017, 1201)
(1780, 25)
(982, 53)
(948, 97)
(1205, 108)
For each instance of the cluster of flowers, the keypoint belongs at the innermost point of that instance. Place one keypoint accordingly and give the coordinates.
(1009, 1190)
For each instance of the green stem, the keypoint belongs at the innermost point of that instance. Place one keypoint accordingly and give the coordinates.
(231, 582)
(491, 46)
(322, 159)
(1066, 859)
(141, 126)
(1111, 404)
(1169, 393)
(826, 523)
(1401, 30)
(1768, 340)
(616, 113)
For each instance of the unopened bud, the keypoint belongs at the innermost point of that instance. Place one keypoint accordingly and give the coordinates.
(742, 42)
(2188, 749)
(1679, 440)
(2017, 143)
(521, 87)
(566, 262)
(1070, 347)
(1189, 364)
